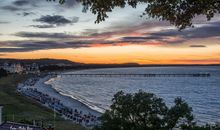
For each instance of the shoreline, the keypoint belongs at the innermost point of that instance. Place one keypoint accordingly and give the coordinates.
(68, 96)
(76, 102)
(67, 101)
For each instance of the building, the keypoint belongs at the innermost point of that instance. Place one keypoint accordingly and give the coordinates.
(15, 126)
(13, 68)
(32, 68)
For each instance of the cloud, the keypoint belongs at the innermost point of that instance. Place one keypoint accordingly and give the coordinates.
(30, 3)
(57, 20)
(21, 5)
(44, 41)
(29, 45)
(93, 37)
(33, 45)
(147, 37)
(4, 22)
(44, 35)
(21, 2)
(197, 46)
(209, 30)
(71, 3)
(141, 38)
(11, 8)
(89, 32)
(42, 26)
(28, 13)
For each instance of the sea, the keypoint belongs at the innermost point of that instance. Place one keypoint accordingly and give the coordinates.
(201, 93)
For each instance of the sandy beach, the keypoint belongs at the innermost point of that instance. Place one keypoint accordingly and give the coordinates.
(67, 101)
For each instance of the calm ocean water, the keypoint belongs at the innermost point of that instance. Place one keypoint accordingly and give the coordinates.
(201, 93)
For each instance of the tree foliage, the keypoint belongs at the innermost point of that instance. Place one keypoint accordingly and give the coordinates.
(178, 12)
(3, 72)
(145, 111)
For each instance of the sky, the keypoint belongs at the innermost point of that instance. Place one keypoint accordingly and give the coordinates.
(33, 29)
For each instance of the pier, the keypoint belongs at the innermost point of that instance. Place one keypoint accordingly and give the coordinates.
(133, 75)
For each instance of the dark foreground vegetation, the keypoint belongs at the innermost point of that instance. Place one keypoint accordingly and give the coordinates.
(145, 111)
(3, 73)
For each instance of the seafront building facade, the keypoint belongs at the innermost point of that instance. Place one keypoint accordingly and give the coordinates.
(13, 68)
(19, 68)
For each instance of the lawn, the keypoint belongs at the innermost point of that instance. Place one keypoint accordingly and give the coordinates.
(22, 109)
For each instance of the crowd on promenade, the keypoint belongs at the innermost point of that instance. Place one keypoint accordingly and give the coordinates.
(76, 115)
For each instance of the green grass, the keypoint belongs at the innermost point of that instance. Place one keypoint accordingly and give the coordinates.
(19, 108)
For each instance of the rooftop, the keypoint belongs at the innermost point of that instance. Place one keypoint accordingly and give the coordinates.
(18, 126)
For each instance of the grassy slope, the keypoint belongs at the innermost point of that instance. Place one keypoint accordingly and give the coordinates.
(24, 108)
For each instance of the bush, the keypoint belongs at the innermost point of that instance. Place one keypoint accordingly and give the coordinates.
(3, 73)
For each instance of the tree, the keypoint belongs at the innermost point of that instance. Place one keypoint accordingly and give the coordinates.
(178, 12)
(145, 111)
(3, 72)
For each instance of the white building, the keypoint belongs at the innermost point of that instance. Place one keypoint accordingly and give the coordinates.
(13, 68)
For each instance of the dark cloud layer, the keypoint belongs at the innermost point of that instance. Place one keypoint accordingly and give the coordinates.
(198, 46)
(142, 38)
(30, 3)
(21, 5)
(71, 3)
(28, 13)
(26, 46)
(206, 31)
(42, 26)
(56, 20)
(4, 22)
(21, 2)
(92, 37)
(44, 35)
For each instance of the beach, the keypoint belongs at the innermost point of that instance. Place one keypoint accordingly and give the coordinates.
(68, 107)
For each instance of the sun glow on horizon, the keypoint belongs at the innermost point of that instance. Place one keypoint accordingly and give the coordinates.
(141, 54)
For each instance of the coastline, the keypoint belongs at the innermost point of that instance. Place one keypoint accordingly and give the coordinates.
(69, 102)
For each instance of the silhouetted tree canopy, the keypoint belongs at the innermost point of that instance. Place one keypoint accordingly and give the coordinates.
(178, 12)
(145, 111)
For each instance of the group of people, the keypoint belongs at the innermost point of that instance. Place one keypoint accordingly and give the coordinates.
(85, 119)
(31, 81)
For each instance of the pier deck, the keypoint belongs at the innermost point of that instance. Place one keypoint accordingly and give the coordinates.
(135, 75)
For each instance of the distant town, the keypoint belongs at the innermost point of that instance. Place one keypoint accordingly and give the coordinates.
(18, 68)
(46, 65)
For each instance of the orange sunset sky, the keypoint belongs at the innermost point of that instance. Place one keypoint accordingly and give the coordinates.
(33, 30)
